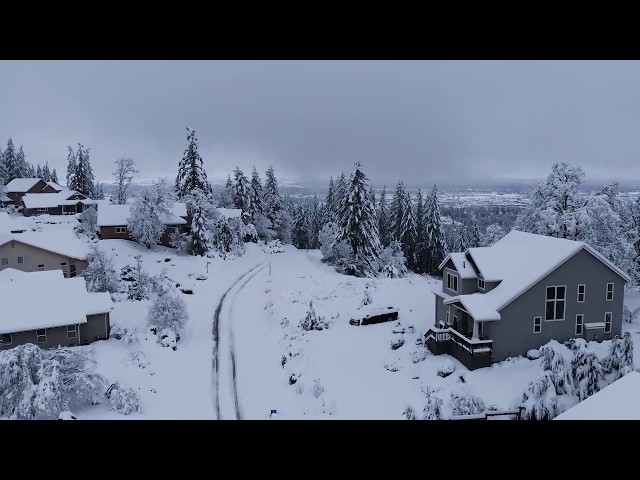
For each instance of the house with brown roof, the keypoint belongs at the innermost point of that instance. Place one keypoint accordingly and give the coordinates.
(39, 251)
(18, 187)
(64, 313)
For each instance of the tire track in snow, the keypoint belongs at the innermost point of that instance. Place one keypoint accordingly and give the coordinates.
(215, 362)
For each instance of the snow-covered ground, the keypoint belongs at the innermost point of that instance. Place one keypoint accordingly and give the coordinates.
(341, 372)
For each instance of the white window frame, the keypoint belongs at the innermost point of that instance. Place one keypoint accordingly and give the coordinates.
(447, 317)
(72, 329)
(25, 259)
(584, 293)
(41, 335)
(539, 325)
(610, 321)
(481, 287)
(555, 300)
(121, 229)
(41, 267)
(453, 282)
(580, 324)
(606, 297)
(5, 261)
(2, 342)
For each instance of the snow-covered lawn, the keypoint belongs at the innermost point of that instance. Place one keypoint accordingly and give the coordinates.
(342, 372)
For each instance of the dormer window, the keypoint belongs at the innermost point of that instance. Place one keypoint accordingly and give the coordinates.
(452, 282)
(481, 284)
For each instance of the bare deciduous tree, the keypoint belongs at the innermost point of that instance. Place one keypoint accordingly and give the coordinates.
(125, 171)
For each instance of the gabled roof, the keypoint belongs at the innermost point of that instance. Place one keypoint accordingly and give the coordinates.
(463, 266)
(54, 185)
(617, 401)
(519, 260)
(21, 185)
(62, 242)
(51, 200)
(60, 301)
(118, 215)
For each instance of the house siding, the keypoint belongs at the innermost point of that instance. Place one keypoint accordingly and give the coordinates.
(441, 309)
(37, 256)
(109, 233)
(97, 327)
(17, 196)
(513, 334)
(29, 212)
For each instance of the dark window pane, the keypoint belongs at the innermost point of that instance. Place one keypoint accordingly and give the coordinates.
(551, 293)
(455, 283)
(6, 338)
(560, 292)
(549, 311)
(559, 309)
(581, 288)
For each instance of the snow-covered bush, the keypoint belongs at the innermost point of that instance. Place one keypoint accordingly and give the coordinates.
(419, 354)
(67, 415)
(100, 274)
(228, 240)
(39, 384)
(467, 405)
(554, 362)
(619, 361)
(540, 400)
(366, 298)
(446, 368)
(179, 241)
(123, 400)
(263, 227)
(141, 285)
(248, 232)
(123, 333)
(391, 262)
(534, 354)
(586, 371)
(168, 338)
(317, 389)
(433, 406)
(167, 312)
(88, 222)
(161, 283)
(313, 322)
(409, 413)
(493, 233)
(397, 343)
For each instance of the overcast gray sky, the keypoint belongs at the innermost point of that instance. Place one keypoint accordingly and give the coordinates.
(420, 121)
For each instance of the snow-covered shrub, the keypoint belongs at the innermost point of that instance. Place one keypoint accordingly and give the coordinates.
(141, 285)
(554, 362)
(574, 344)
(100, 274)
(263, 227)
(317, 389)
(168, 338)
(629, 315)
(123, 400)
(409, 413)
(586, 371)
(540, 400)
(419, 354)
(534, 354)
(179, 241)
(366, 298)
(391, 262)
(619, 361)
(161, 283)
(67, 415)
(433, 406)
(311, 321)
(88, 222)
(393, 365)
(123, 333)
(397, 343)
(167, 312)
(467, 405)
(39, 384)
(446, 368)
(248, 232)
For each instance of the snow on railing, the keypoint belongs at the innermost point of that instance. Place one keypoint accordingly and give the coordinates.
(450, 334)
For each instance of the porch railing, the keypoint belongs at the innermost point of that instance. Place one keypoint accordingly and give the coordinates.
(473, 346)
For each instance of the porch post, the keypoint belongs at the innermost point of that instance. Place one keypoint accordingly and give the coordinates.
(475, 330)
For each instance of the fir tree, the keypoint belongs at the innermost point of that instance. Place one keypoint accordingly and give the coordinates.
(421, 253)
(383, 218)
(46, 174)
(329, 204)
(301, 232)
(256, 194)
(493, 233)
(71, 169)
(24, 169)
(402, 222)
(10, 163)
(359, 226)
(272, 199)
(540, 400)
(587, 371)
(99, 195)
(191, 174)
(434, 233)
(39, 172)
(241, 193)
(204, 217)
(225, 196)
(83, 177)
(54, 177)
(340, 192)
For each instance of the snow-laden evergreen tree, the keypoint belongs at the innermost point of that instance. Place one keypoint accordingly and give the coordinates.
(100, 274)
(301, 233)
(467, 405)
(556, 205)
(434, 233)
(540, 400)
(39, 172)
(123, 400)
(391, 262)
(141, 285)
(472, 234)
(46, 173)
(71, 169)
(554, 362)
(311, 321)
(330, 204)
(272, 198)
(204, 214)
(38, 384)
(316, 214)
(84, 180)
(421, 253)
(626, 361)
(99, 191)
(409, 412)
(125, 172)
(241, 191)
(433, 406)
(191, 173)
(358, 222)
(24, 169)
(168, 312)
(147, 214)
(88, 222)
(402, 222)
(587, 372)
(54, 177)
(256, 194)
(492, 234)
(619, 361)
(224, 196)
(383, 218)
(10, 163)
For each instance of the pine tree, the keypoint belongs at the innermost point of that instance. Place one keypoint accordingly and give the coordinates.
(83, 177)
(71, 169)
(191, 174)
(316, 217)
(241, 193)
(554, 362)
(421, 253)
(329, 204)
(46, 174)
(201, 241)
(587, 371)
(493, 233)
(99, 191)
(272, 199)
(256, 194)
(2, 169)
(402, 222)
(39, 172)
(383, 218)
(434, 233)
(24, 169)
(340, 192)
(301, 232)
(540, 400)
(358, 222)
(225, 196)
(54, 177)
(10, 162)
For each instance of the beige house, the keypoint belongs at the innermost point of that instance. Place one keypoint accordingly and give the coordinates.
(63, 313)
(38, 251)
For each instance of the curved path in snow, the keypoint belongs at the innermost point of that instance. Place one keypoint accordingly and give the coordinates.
(231, 404)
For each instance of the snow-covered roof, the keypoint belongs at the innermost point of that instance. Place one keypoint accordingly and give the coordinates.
(4, 198)
(518, 261)
(617, 401)
(62, 242)
(118, 215)
(463, 266)
(179, 209)
(21, 185)
(230, 212)
(50, 200)
(438, 291)
(60, 301)
(55, 186)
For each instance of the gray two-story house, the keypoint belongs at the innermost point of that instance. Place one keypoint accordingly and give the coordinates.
(501, 301)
